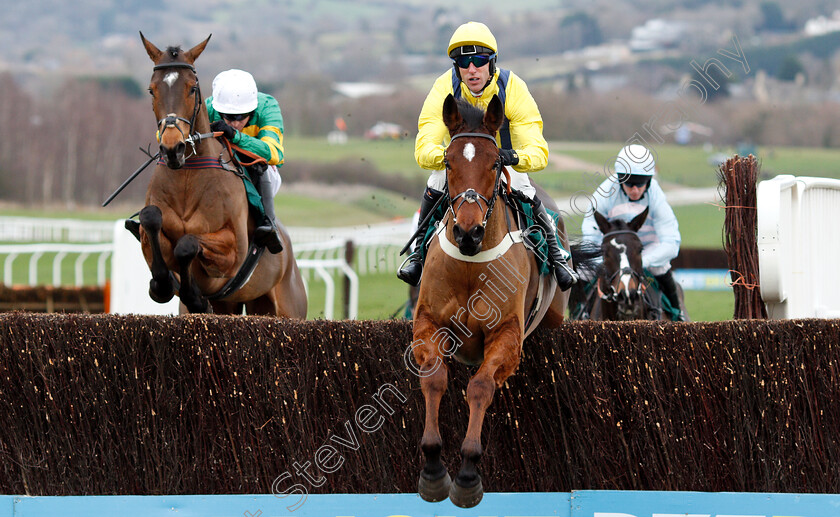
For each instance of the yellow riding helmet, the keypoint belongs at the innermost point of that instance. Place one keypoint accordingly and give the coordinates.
(472, 33)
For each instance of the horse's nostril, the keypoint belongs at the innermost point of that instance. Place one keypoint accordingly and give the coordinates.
(458, 233)
(477, 233)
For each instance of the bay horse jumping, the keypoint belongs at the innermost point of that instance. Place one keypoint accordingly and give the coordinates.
(195, 226)
(480, 296)
(622, 291)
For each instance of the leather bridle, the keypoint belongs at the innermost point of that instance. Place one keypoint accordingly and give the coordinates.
(169, 121)
(470, 195)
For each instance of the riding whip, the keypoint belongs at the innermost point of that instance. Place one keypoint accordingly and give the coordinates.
(131, 178)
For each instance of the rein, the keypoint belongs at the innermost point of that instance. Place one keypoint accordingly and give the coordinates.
(470, 195)
(231, 147)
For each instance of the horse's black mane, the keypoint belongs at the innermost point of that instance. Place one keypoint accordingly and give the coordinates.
(473, 116)
(174, 52)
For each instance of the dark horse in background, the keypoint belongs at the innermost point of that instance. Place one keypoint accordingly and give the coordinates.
(622, 290)
(481, 295)
(196, 224)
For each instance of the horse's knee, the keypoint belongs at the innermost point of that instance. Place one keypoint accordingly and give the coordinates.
(151, 219)
(186, 249)
(480, 391)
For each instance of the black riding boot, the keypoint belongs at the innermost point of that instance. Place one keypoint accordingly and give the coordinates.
(266, 234)
(565, 276)
(669, 288)
(413, 269)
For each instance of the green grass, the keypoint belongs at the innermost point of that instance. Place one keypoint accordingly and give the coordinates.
(701, 226)
(374, 207)
(689, 166)
(683, 165)
(710, 305)
(389, 156)
(799, 161)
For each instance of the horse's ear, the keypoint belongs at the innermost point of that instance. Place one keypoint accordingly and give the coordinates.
(193, 53)
(451, 116)
(603, 224)
(495, 114)
(639, 220)
(152, 50)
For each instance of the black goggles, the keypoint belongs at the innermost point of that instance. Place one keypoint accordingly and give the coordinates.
(478, 60)
(633, 180)
(236, 117)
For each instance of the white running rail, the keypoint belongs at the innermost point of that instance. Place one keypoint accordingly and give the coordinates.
(319, 252)
(36, 252)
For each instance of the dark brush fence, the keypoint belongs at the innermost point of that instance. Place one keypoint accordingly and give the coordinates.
(45, 298)
(95, 404)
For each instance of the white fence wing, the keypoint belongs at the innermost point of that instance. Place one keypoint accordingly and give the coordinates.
(799, 246)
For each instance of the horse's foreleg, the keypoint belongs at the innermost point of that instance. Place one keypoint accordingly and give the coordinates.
(185, 251)
(434, 482)
(161, 288)
(502, 351)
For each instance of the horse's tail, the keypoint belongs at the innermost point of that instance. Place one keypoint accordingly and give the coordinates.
(586, 257)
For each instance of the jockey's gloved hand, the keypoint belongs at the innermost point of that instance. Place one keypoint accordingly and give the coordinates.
(508, 156)
(257, 169)
(222, 126)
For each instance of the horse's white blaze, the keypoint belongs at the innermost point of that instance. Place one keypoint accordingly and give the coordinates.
(469, 151)
(170, 78)
(624, 265)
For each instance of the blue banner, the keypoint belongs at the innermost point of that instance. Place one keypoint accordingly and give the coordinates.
(548, 504)
(704, 279)
(590, 503)
(585, 503)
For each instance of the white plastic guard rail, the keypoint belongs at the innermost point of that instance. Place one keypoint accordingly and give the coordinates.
(130, 279)
(320, 267)
(35, 252)
(799, 246)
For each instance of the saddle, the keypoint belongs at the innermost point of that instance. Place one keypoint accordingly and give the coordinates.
(255, 251)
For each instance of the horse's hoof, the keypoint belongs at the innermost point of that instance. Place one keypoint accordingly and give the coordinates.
(133, 227)
(154, 293)
(466, 497)
(434, 490)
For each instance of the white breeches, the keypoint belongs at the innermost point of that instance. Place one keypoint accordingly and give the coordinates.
(274, 179)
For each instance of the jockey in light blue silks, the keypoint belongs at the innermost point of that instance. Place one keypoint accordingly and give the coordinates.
(625, 195)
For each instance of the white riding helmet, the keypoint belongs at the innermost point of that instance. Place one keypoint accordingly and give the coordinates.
(234, 92)
(635, 160)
